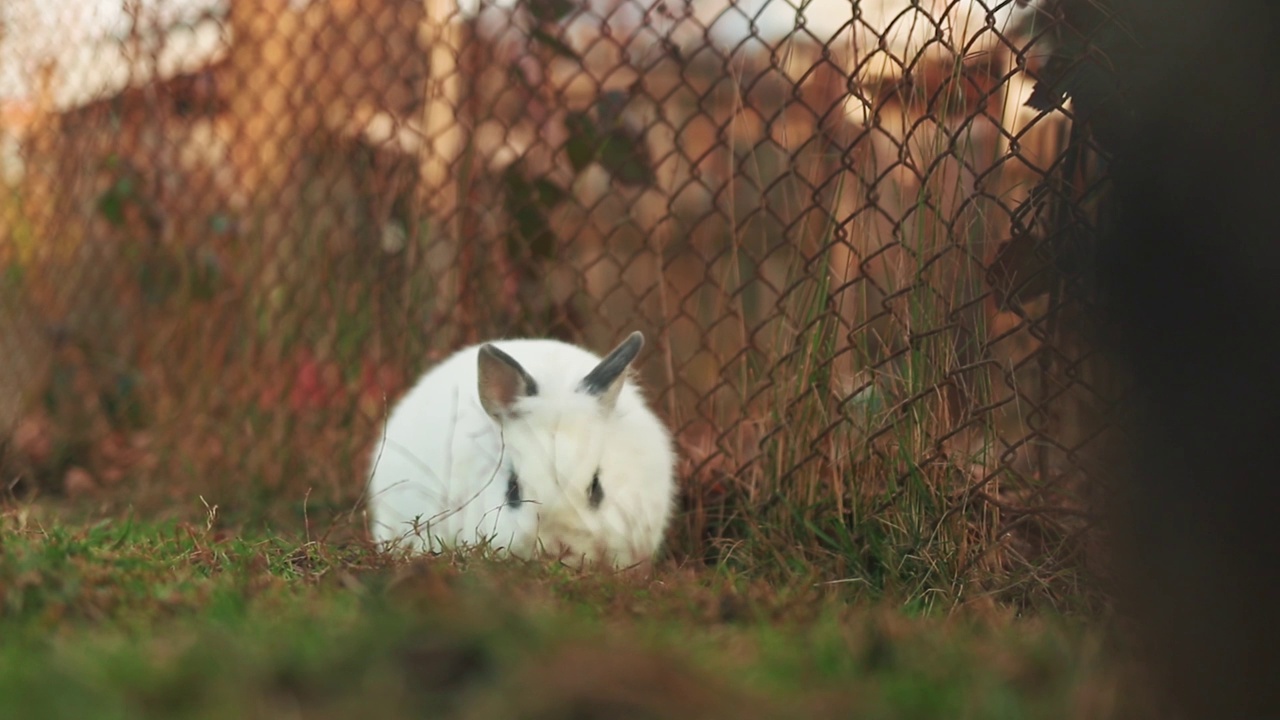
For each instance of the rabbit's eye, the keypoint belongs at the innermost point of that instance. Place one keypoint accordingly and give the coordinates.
(595, 493)
(513, 491)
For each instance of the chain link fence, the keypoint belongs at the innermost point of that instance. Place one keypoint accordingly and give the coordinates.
(232, 232)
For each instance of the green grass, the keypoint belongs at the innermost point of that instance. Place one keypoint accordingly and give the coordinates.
(125, 619)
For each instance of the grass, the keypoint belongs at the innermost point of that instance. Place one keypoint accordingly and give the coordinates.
(121, 618)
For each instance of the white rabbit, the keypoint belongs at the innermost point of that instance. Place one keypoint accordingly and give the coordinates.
(529, 446)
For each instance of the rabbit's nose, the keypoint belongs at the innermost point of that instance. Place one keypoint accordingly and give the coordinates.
(567, 544)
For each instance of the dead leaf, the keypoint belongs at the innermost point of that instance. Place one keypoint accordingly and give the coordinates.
(78, 483)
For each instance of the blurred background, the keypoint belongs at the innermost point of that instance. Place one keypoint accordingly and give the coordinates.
(231, 234)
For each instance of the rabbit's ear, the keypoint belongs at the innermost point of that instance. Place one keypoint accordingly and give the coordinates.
(502, 381)
(606, 379)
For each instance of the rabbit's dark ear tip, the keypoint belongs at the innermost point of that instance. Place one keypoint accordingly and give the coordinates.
(611, 368)
(490, 359)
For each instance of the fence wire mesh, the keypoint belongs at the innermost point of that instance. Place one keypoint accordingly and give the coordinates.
(231, 234)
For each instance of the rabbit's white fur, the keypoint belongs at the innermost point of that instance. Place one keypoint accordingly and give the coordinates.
(441, 477)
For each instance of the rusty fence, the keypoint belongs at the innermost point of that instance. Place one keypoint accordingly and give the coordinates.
(231, 232)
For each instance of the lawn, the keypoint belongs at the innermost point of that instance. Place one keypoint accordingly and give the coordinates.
(121, 618)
